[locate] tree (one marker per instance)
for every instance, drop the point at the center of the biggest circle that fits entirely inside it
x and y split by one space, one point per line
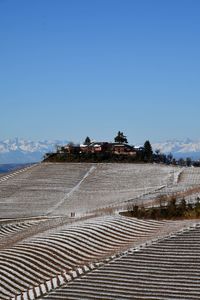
174 161
170 158
87 141
188 161
197 207
171 207
181 162
121 138
134 210
57 148
158 156
182 207
157 151
148 152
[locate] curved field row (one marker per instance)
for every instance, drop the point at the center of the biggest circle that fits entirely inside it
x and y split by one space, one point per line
13 231
6 230
41 258
169 269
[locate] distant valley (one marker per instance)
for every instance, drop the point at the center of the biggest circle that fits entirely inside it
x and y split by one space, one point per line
4 168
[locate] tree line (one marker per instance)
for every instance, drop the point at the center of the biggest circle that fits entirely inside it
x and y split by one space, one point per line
173 208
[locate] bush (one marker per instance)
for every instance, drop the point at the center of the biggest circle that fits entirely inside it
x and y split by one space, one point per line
170 211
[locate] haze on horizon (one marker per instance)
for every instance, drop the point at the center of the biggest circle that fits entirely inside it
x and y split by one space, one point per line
76 68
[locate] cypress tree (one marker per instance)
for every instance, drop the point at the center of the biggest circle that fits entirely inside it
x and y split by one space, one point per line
87 141
148 152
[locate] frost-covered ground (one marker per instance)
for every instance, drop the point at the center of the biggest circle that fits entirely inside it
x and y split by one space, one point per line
45 246
37 265
186 184
70 188
164 270
62 189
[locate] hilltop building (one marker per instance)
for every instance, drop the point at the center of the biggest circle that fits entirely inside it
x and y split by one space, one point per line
100 147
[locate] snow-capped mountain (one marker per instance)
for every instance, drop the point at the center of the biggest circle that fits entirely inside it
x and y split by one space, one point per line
25 151
186 148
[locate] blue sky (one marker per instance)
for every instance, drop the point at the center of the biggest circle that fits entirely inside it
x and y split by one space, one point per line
72 68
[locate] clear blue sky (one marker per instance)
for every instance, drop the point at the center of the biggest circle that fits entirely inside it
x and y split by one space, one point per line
71 68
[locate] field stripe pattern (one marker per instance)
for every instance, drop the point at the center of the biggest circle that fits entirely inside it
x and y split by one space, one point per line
34 261
169 269
60 189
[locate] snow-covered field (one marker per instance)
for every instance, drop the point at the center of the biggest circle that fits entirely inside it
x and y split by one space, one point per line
72 250
55 245
62 189
168 269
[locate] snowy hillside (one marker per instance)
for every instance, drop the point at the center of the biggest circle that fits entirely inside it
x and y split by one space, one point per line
23 151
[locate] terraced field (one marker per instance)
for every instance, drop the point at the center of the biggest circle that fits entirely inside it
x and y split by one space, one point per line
54 243
112 184
186 184
167 269
39 190
7 229
38 260
62 189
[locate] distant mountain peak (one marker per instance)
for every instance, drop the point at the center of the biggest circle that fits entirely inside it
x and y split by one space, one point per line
185 148
19 150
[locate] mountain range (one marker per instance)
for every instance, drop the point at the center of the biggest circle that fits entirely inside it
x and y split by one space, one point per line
185 148
25 151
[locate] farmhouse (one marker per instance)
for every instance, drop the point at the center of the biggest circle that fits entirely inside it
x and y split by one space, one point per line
102 147
103 150
69 149
124 149
95 147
